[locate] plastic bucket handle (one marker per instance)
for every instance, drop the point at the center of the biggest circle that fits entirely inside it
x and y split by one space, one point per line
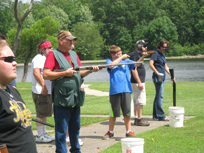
177 118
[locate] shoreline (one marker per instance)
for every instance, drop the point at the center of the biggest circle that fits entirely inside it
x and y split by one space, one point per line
103 61
185 57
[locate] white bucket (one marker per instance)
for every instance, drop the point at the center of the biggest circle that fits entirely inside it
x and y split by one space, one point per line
132 145
176 116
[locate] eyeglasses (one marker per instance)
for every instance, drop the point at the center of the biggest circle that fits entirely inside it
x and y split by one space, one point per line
8 59
116 54
48 47
164 47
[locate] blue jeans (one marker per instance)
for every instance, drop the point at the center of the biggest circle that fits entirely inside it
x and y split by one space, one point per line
158 112
64 117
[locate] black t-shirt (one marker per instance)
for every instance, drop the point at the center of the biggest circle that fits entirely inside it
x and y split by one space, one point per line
141 69
15 123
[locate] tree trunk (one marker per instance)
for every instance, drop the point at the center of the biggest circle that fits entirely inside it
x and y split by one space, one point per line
20 22
25 73
16 42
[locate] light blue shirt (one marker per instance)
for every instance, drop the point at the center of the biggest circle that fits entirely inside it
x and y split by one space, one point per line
120 77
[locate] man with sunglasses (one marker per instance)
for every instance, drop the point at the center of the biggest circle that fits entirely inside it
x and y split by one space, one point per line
138 84
41 91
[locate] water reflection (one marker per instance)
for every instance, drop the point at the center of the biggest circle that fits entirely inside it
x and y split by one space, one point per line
184 70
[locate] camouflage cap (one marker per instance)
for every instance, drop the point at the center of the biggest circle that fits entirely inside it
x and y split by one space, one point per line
67 35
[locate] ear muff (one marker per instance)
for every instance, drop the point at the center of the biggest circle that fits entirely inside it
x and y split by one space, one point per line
139 47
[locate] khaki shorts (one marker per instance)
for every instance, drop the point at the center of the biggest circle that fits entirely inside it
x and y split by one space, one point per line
43 105
139 95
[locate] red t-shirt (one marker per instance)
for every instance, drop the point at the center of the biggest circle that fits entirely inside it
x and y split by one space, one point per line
52 64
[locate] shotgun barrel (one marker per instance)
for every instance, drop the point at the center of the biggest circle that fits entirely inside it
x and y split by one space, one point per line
43 122
100 66
148 51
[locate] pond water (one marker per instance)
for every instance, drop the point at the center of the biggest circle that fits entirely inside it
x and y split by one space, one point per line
185 70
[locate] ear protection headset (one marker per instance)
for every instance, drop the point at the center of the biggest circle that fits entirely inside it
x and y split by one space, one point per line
139 45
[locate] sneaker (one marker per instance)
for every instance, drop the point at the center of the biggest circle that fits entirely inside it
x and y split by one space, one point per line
68 141
135 122
142 122
42 138
107 136
80 142
49 136
131 134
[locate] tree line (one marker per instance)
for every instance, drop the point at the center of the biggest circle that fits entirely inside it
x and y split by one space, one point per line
102 23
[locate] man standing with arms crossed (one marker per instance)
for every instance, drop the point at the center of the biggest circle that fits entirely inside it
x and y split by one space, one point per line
41 91
66 93
138 84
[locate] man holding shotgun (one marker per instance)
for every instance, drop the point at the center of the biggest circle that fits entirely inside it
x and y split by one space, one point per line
66 93
138 84
120 90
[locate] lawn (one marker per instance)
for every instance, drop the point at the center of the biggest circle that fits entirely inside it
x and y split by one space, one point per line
188 139
25 90
189 95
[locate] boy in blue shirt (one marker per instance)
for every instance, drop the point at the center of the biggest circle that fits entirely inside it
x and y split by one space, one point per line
120 89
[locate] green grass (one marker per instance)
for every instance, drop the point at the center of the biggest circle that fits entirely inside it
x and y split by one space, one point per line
25 90
167 139
188 139
189 95
96 105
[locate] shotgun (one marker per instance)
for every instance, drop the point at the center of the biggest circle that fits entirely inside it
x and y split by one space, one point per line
100 66
43 122
149 51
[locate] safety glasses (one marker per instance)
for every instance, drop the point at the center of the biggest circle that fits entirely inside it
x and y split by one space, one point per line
8 59
48 48
115 53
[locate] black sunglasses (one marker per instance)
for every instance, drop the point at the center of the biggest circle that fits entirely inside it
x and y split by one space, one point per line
8 59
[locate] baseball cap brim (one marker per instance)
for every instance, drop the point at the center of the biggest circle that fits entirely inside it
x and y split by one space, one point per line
145 43
72 38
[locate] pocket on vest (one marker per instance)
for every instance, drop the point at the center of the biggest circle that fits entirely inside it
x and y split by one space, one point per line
67 98
81 98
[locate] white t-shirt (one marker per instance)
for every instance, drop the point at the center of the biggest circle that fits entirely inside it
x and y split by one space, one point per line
38 62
